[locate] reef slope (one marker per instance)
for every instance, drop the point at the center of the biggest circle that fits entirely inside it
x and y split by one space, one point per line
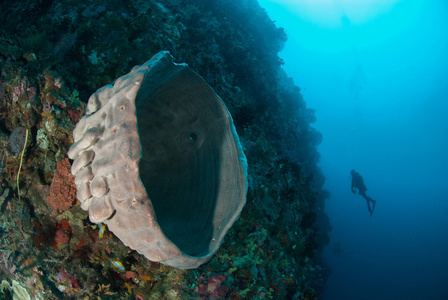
54 55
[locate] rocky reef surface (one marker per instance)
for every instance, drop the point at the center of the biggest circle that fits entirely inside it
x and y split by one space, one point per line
54 54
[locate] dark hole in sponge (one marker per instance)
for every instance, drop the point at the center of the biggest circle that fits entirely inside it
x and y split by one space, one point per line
193 137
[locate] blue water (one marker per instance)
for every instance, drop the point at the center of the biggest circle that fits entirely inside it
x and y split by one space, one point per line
378 81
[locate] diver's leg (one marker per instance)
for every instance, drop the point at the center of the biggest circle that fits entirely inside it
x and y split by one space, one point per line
368 199
363 194
374 203
368 207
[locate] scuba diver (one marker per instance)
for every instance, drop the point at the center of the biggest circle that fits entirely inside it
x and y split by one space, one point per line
358 183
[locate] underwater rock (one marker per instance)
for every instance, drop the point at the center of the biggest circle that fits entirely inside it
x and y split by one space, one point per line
158 159
17 140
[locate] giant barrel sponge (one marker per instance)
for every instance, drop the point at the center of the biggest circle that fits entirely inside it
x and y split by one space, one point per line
157 158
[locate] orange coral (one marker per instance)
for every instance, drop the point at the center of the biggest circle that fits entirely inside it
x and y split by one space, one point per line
62 234
63 189
61 238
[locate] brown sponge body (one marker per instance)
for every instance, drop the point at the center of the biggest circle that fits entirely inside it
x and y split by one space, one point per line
157 158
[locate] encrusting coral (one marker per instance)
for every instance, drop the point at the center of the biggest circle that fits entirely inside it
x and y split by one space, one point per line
63 190
163 126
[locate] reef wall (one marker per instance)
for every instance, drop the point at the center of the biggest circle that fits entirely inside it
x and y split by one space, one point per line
55 54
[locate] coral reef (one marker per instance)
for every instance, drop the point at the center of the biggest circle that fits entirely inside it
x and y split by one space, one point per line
53 55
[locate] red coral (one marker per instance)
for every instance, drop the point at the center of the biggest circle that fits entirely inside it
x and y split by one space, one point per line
62 234
63 189
65 224
131 276
74 115
214 288
72 278
61 238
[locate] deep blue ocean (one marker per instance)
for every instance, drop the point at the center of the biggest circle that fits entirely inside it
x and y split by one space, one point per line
376 74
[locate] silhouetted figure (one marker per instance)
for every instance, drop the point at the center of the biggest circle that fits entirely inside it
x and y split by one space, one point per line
358 183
